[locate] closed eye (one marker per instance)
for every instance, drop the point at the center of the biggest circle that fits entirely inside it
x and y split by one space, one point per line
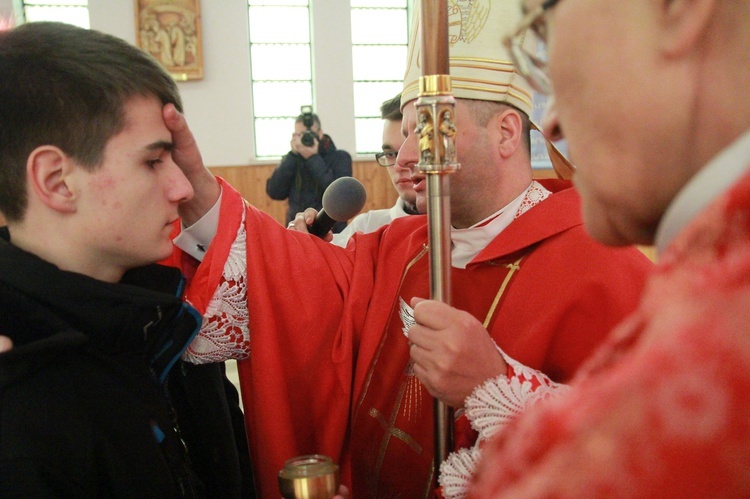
161 148
153 163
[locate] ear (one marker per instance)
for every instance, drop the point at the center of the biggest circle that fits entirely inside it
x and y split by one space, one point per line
683 24
509 126
48 170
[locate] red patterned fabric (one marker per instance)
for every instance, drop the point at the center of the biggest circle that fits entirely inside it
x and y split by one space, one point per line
663 409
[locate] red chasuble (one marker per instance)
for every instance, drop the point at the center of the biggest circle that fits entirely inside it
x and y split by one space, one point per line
329 370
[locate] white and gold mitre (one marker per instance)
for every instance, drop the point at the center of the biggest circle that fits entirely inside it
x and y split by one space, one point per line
480 65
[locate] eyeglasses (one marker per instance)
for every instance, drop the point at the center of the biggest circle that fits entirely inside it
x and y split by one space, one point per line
386 158
533 67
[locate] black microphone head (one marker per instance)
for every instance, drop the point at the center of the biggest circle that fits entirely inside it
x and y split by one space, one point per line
344 198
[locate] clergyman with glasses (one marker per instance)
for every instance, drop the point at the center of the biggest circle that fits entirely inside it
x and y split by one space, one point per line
651 98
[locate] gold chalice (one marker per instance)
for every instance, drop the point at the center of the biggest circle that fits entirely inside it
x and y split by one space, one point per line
309 477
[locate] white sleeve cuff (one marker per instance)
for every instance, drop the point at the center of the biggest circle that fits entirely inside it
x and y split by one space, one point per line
196 239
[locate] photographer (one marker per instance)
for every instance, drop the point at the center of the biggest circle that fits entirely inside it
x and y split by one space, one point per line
309 168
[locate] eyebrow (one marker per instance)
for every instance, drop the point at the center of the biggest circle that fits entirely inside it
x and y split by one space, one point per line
160 145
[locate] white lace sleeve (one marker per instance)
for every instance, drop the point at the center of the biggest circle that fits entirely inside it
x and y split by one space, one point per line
489 408
225 333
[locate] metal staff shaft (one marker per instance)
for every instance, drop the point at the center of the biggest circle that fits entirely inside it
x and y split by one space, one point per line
436 128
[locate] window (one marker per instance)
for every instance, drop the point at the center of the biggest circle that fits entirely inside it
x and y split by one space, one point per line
280 68
282 52
74 12
380 35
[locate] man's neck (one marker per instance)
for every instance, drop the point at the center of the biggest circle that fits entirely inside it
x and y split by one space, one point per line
65 256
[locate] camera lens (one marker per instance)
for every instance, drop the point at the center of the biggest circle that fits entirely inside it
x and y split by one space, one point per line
308 138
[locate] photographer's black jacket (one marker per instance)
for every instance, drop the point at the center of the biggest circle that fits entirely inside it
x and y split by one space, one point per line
303 181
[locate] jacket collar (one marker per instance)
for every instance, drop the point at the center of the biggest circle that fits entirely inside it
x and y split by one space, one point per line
141 315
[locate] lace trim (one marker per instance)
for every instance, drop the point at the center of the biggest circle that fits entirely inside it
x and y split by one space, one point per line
456 472
491 406
535 195
225 333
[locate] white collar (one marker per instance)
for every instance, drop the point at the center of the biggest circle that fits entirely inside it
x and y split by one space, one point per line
716 177
467 243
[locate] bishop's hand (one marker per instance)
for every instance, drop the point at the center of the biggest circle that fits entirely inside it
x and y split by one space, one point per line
452 352
187 156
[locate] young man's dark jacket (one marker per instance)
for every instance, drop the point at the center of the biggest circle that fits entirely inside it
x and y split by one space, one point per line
303 181
85 407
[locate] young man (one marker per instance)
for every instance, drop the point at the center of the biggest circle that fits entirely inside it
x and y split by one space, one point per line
659 126
89 403
390 112
331 370
308 169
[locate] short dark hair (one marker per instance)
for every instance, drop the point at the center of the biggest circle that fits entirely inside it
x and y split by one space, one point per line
390 110
482 111
66 86
316 120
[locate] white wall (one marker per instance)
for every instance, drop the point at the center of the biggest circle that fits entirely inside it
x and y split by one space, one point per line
219 107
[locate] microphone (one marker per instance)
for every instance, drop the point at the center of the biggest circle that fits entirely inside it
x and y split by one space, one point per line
342 200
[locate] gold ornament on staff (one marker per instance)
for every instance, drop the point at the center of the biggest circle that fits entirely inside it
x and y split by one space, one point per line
436 127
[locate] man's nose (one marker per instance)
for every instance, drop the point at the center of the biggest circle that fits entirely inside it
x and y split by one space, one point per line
550 123
407 153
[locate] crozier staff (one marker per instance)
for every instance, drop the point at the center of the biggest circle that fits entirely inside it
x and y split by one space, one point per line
434 105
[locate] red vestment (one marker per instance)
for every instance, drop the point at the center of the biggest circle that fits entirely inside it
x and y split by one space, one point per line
662 410
324 326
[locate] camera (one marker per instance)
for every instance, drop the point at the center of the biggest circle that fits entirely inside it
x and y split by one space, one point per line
308 136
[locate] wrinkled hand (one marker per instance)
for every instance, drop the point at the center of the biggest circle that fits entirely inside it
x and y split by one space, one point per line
452 352
303 220
187 156
5 344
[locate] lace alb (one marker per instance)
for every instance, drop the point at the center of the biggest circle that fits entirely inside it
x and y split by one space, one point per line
490 407
225 333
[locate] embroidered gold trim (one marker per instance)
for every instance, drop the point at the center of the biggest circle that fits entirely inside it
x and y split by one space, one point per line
396 432
512 267
382 340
